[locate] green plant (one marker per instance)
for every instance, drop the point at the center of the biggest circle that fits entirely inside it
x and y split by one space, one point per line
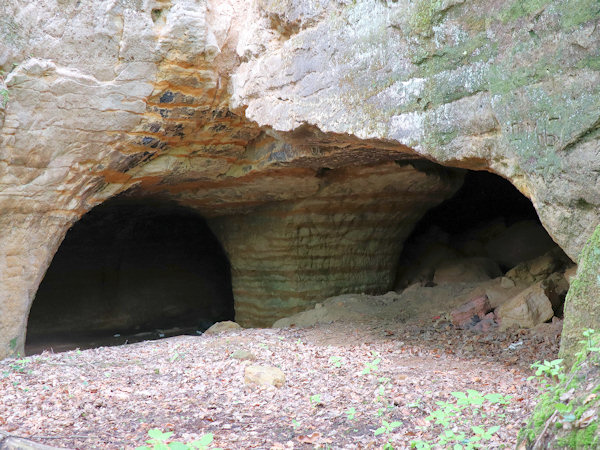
470 398
387 428
416 404
548 373
454 419
176 355
459 440
561 402
336 361
315 400
589 336
160 441
481 434
372 366
350 413
17 366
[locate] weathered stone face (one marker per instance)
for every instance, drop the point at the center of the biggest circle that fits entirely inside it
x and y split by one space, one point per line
345 237
279 122
581 309
506 86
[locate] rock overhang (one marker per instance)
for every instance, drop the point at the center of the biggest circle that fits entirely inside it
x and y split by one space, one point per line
236 111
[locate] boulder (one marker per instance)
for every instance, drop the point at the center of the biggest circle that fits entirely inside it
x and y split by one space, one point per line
501 291
540 267
471 312
556 287
264 376
422 261
581 306
466 270
520 242
527 309
473 242
220 327
319 314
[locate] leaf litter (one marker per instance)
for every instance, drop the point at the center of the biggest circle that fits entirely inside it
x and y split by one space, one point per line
344 382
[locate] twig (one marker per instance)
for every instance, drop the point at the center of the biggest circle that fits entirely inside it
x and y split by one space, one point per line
549 421
73 436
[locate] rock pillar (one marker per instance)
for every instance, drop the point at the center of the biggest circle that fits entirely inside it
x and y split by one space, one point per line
27 243
288 255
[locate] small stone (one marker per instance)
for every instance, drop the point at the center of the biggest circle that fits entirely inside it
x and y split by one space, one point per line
264 375
507 283
491 315
543 265
484 325
243 355
220 327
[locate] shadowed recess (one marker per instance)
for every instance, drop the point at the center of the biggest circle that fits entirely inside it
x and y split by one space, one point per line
131 270
487 223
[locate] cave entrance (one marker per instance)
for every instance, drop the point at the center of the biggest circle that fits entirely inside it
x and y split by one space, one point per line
131 270
485 240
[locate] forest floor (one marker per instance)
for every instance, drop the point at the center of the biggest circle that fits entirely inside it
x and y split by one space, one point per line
357 384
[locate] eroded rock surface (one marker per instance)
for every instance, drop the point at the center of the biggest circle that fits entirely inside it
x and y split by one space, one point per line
581 311
292 127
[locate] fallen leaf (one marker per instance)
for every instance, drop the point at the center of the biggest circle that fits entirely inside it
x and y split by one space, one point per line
420 421
586 418
309 439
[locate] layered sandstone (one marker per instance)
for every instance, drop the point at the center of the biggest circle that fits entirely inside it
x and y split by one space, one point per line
290 127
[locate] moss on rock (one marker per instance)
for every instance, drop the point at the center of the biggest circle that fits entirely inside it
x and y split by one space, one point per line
582 306
566 415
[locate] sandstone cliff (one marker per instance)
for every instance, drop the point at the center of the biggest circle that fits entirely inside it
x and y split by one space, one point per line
292 126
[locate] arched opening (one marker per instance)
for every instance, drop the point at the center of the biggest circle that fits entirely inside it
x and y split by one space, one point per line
489 235
131 270
487 219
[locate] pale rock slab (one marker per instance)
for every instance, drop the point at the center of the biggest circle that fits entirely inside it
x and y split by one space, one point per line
243 355
264 376
8 442
526 310
466 270
222 327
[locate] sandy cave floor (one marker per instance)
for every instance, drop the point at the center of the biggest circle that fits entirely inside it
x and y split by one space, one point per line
110 397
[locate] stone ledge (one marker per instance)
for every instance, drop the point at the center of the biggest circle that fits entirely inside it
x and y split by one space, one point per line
8 442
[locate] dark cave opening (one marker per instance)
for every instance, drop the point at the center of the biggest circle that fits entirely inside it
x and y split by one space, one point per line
486 229
131 270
